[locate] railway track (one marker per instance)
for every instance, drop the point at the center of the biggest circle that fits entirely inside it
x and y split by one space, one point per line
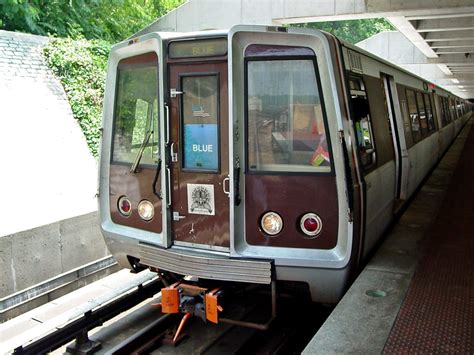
297 322
127 322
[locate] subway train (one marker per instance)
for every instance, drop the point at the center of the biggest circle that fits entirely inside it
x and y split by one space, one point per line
262 155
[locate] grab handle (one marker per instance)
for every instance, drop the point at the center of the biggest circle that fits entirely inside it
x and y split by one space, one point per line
167 111
174 155
226 180
168 193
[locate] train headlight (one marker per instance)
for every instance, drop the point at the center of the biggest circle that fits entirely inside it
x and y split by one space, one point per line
124 206
271 223
146 211
311 224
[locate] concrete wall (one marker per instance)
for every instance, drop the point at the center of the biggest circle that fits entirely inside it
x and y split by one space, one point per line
47 173
32 256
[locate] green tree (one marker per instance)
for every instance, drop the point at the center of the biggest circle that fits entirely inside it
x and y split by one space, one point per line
352 31
111 20
81 64
81 67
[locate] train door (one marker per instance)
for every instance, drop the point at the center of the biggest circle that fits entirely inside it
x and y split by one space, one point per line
198 166
402 163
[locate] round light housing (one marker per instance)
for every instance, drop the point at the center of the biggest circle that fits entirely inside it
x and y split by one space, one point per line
146 211
311 224
124 206
271 223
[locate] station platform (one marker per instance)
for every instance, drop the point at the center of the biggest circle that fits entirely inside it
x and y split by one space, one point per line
416 295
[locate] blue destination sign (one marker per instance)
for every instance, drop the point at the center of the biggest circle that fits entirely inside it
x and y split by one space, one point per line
200 146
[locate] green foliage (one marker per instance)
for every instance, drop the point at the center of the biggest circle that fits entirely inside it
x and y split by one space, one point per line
81 67
111 20
352 31
80 64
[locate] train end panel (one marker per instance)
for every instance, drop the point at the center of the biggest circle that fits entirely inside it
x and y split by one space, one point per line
223 157
280 160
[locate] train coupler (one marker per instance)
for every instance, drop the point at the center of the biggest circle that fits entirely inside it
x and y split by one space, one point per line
193 300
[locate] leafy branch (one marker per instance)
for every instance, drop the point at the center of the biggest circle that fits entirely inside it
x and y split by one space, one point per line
81 67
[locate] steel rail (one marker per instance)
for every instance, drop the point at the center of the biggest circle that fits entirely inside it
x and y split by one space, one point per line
91 320
145 336
10 303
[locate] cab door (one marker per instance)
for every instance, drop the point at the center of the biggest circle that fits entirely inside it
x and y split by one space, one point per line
198 148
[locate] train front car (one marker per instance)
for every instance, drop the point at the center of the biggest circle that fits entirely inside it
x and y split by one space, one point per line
226 157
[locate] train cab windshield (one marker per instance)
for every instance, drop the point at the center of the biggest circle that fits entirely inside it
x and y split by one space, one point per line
286 131
135 137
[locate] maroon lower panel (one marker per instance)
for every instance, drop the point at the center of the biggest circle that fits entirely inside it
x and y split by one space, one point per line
136 187
291 197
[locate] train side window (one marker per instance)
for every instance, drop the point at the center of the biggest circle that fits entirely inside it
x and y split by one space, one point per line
136 112
459 108
362 121
446 110
285 121
414 116
452 109
429 112
422 113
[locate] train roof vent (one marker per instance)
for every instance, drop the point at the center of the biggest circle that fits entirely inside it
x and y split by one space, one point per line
355 61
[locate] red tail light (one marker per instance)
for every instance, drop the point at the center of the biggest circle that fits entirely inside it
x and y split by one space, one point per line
311 224
124 206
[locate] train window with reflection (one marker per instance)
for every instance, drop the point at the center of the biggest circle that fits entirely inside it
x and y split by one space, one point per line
429 112
446 109
422 113
285 123
452 109
136 111
414 116
200 117
459 108
444 113
362 121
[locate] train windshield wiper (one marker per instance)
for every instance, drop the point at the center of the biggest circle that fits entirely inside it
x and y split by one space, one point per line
133 168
